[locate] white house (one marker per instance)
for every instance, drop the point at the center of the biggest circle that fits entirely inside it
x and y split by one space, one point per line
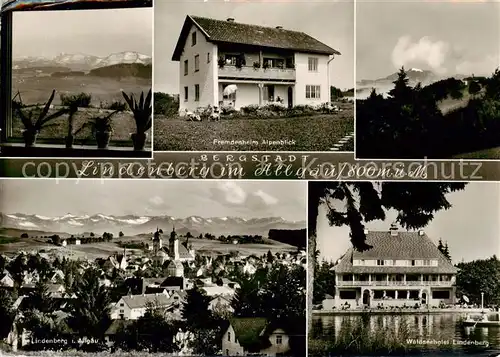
132 307
253 336
401 269
6 280
266 64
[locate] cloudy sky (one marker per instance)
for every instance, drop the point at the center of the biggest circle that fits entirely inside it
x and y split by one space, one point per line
246 199
446 37
328 21
92 32
471 226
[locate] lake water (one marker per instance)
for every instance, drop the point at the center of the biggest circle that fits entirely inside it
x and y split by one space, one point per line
429 332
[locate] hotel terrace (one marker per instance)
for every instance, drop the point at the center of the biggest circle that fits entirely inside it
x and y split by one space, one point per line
401 269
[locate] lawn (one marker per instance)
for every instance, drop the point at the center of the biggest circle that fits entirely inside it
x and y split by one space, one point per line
309 133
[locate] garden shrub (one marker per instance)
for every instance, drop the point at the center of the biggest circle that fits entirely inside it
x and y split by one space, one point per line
81 100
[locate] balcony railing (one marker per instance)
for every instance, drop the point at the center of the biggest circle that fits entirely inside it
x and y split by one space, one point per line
249 72
394 283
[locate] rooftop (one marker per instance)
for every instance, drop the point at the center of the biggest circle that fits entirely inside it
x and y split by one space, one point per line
401 246
231 32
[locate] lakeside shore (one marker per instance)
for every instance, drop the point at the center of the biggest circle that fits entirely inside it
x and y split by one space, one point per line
405 311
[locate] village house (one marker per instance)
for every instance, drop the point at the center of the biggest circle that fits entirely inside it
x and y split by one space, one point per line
220 303
261 65
6 280
401 269
132 307
254 336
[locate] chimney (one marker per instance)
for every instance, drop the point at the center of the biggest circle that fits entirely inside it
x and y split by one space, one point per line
394 230
279 27
230 19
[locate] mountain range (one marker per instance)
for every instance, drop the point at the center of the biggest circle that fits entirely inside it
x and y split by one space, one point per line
82 62
133 225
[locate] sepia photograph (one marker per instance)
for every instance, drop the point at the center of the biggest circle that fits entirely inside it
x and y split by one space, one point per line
142 268
403 268
80 85
254 76
427 80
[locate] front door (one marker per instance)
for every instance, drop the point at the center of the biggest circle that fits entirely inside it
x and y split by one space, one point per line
290 97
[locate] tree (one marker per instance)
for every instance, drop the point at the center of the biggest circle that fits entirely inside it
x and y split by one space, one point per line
121 234
92 234
24 235
269 257
56 239
189 235
401 91
446 251
40 298
474 87
195 310
90 308
479 276
7 313
415 202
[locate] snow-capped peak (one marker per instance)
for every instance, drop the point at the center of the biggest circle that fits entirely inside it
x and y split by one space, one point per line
415 70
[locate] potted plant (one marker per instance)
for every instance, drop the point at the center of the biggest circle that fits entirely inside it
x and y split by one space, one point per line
221 62
142 111
71 134
256 65
33 127
265 65
102 128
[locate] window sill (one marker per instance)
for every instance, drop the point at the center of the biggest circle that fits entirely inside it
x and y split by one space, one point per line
78 151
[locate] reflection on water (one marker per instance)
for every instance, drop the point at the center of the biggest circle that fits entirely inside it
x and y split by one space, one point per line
429 332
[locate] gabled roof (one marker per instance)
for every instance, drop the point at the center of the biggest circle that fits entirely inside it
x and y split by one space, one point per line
249 332
140 301
221 31
404 246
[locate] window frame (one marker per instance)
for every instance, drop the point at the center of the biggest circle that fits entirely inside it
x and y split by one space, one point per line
193 38
53 147
196 92
312 64
197 63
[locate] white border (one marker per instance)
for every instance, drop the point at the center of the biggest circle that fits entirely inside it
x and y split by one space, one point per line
395 159
115 158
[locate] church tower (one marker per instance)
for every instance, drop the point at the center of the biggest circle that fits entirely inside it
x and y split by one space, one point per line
174 245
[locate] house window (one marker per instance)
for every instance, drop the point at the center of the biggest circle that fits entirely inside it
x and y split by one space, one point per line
196 92
185 94
122 304
274 62
196 63
208 57
227 352
279 339
413 263
122 311
313 92
229 336
186 67
193 39
312 64
380 262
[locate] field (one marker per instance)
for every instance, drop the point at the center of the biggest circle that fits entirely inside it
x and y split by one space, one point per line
105 249
487 154
104 91
310 133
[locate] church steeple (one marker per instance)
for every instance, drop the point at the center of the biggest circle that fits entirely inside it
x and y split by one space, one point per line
173 234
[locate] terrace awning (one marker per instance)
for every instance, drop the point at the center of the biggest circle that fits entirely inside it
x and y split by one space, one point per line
40 5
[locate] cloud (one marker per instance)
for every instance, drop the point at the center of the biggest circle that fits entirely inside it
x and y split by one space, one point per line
266 198
229 193
156 201
425 51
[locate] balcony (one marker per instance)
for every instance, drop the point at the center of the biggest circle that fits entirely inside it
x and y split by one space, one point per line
358 283
257 74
